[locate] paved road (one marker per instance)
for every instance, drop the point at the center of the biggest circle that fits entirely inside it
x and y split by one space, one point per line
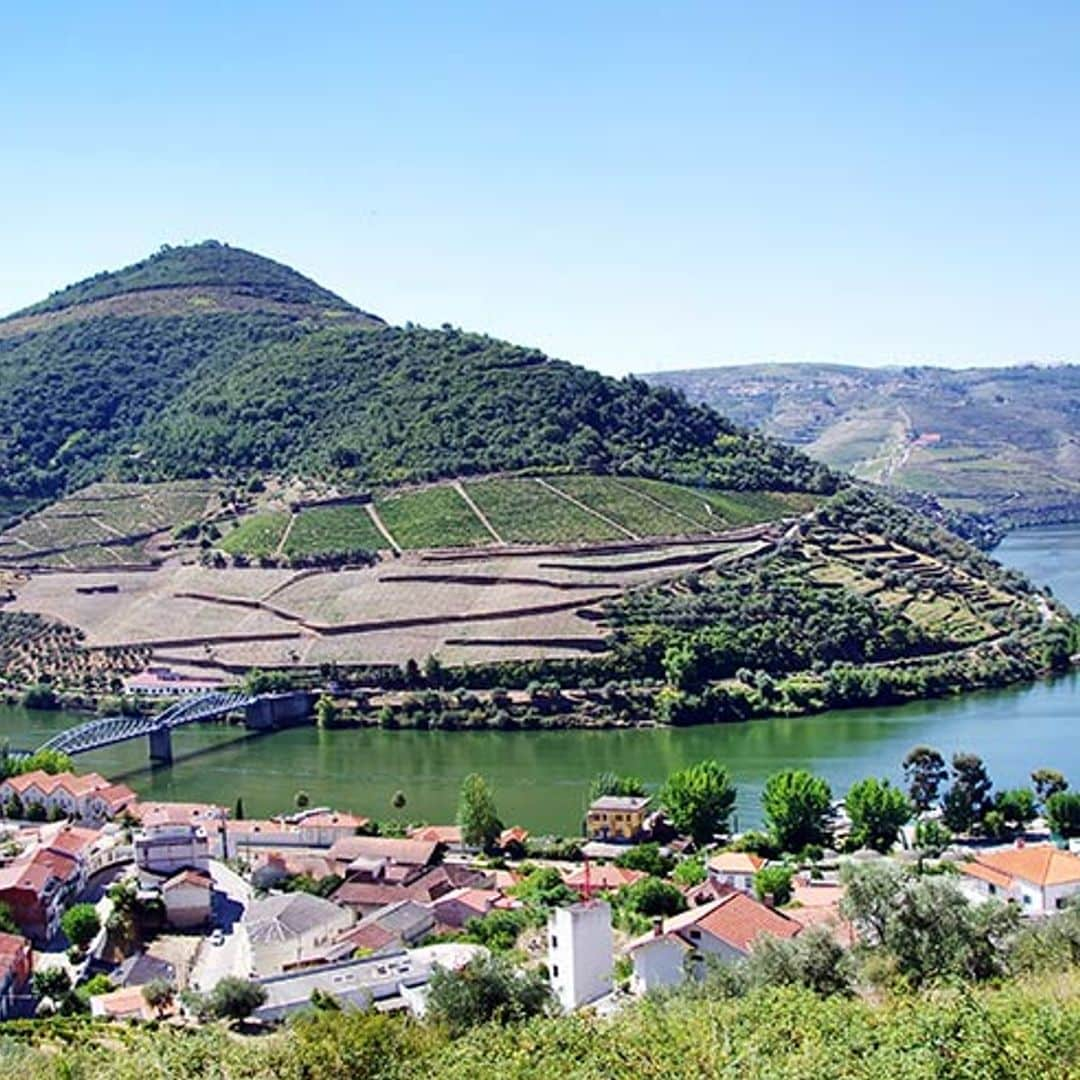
214 962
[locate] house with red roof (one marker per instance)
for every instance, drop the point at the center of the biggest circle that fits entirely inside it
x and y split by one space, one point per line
188 897
454 909
602 877
89 797
726 929
1040 878
16 967
37 887
736 869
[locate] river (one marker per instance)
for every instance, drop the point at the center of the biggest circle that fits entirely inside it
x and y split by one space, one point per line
540 777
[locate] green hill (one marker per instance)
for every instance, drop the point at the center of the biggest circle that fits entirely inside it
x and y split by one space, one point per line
1000 441
208 359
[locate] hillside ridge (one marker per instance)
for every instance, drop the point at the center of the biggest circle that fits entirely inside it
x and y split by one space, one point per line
998 441
209 264
211 360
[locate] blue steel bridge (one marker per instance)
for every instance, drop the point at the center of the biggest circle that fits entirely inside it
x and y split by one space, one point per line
261 712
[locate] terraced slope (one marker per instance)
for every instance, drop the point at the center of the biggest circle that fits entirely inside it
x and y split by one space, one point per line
1003 441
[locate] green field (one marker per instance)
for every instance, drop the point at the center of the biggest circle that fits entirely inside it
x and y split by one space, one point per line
523 511
330 529
435 517
258 535
631 508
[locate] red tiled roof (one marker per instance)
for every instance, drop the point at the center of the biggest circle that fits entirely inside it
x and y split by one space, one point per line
368 894
73 840
987 874
34 871
411 852
438 834
735 919
604 876
736 862
74 784
190 877
116 796
171 813
1039 864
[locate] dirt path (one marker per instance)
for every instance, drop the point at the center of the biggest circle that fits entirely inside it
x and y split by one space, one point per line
459 487
280 549
378 522
669 509
588 509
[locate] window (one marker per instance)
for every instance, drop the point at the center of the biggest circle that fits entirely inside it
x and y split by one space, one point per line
554 942
554 971
695 935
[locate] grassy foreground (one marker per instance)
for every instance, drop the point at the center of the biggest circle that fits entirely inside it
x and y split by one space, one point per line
1029 1029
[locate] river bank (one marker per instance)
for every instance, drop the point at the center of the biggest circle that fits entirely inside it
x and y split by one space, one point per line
540 777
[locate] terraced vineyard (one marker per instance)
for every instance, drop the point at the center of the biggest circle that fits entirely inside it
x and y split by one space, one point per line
257 536
431 518
557 509
104 524
325 530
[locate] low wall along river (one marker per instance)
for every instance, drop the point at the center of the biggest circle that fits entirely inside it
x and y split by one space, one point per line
540 777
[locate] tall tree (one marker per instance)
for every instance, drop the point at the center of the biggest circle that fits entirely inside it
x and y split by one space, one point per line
968 798
80 924
699 800
877 811
1063 813
924 773
478 817
1048 782
797 807
610 783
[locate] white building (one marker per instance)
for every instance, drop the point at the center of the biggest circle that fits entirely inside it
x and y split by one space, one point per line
724 929
289 929
1041 878
165 849
736 868
390 980
580 953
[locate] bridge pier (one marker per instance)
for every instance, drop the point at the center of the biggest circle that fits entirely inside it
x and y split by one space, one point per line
161 745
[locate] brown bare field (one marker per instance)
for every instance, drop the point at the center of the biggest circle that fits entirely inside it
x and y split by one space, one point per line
483 606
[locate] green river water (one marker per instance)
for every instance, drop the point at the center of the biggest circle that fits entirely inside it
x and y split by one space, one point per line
540 777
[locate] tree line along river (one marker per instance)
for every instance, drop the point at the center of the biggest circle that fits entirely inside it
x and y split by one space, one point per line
540 777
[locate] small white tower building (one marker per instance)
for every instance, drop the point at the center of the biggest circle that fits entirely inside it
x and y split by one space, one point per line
580 953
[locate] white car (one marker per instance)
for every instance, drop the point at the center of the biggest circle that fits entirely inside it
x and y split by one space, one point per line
217 937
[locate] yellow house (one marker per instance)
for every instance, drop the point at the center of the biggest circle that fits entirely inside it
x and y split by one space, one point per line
617 817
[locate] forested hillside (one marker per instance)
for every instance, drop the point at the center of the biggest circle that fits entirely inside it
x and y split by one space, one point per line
1001 441
211 359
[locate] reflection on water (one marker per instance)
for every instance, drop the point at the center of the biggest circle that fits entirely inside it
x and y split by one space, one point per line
540 777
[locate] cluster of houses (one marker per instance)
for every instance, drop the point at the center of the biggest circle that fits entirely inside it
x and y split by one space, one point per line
320 904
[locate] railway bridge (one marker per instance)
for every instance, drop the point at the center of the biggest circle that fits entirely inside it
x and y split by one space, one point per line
262 712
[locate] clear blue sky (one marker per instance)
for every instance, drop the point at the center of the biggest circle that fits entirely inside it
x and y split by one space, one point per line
627 185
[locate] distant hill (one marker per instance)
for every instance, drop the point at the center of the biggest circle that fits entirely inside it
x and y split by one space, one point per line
210 359
1003 441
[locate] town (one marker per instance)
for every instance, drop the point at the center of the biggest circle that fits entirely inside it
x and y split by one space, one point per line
131 910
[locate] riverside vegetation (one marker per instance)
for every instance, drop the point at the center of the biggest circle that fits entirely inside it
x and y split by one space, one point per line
219 373
934 987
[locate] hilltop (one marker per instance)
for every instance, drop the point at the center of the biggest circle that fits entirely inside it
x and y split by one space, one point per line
208 460
999 441
212 360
